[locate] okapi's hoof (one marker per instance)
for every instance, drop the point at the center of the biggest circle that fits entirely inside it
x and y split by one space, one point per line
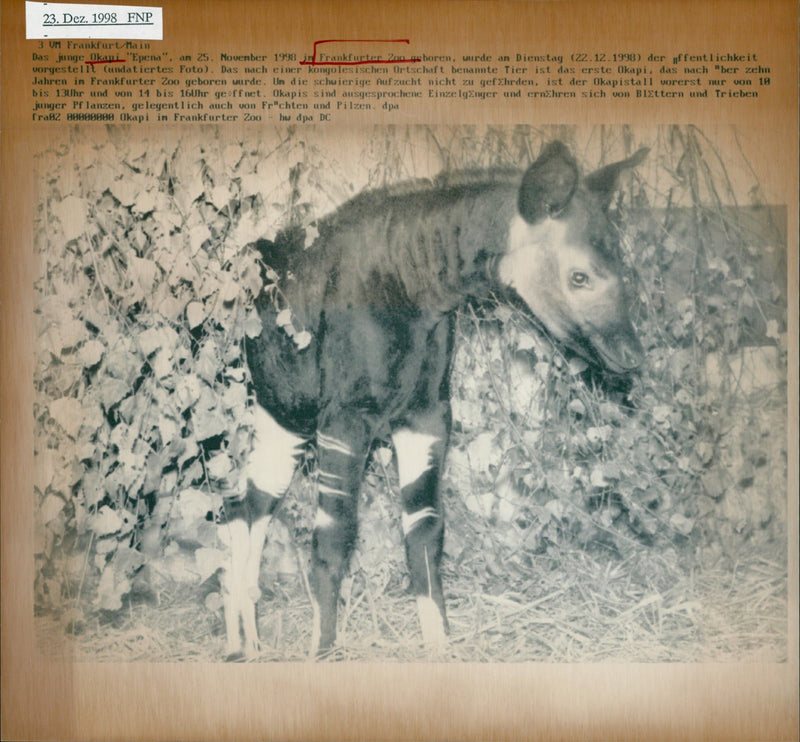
329 653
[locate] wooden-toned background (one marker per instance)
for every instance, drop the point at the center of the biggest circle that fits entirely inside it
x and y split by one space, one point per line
63 700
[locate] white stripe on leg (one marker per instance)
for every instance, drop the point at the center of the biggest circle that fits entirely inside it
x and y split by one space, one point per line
241 591
316 630
333 444
258 534
323 519
235 592
273 459
430 620
413 454
409 520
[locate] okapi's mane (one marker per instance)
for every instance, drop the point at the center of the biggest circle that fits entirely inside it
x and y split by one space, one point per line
477 176
470 178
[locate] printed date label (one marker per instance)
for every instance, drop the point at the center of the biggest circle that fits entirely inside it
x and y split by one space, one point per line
78 21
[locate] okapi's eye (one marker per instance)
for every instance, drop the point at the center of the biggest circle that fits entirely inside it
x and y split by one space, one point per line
579 279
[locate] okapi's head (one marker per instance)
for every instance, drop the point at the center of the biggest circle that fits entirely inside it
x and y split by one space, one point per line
562 258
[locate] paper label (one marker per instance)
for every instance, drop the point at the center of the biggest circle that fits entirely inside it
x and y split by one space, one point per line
83 21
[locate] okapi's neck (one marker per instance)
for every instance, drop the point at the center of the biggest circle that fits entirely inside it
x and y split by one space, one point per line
446 251
486 234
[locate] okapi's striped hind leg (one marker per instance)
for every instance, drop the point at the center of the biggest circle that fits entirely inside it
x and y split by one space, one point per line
342 447
269 473
420 448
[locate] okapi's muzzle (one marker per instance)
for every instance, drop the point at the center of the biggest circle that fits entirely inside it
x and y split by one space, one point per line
618 350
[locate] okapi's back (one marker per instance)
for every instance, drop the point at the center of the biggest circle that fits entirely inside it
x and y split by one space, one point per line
417 244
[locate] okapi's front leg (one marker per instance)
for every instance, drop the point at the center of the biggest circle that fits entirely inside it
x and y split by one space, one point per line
342 446
269 473
420 446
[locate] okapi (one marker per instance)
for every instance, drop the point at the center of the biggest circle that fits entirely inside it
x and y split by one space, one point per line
378 291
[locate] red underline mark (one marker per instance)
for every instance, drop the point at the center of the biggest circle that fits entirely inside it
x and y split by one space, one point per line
93 62
314 63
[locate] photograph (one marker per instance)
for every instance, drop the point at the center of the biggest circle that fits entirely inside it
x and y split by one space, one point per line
453 394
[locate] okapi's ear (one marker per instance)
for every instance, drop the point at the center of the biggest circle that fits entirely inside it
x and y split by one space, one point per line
603 182
548 184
